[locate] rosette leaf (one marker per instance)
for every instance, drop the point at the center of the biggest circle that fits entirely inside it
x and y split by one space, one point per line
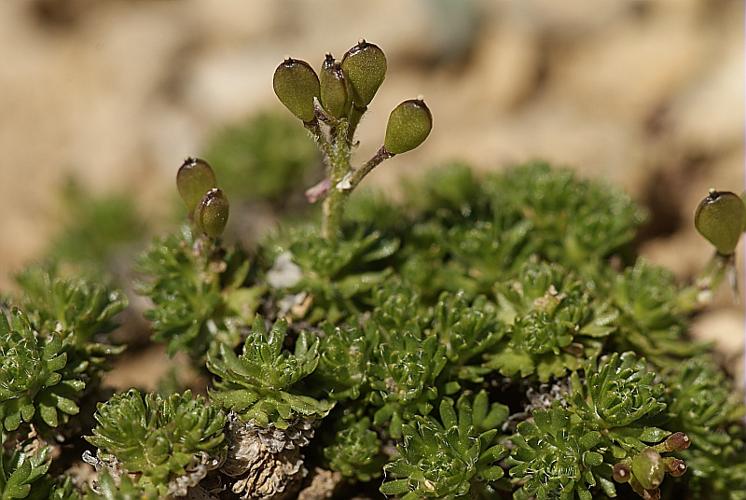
197 293
555 322
23 473
704 404
574 221
78 306
402 378
344 361
336 279
262 383
454 457
621 397
35 386
161 439
555 456
653 315
468 330
80 311
356 450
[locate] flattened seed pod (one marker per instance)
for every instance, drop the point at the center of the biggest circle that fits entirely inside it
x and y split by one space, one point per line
194 178
296 84
334 95
648 468
721 218
364 65
408 126
621 473
211 214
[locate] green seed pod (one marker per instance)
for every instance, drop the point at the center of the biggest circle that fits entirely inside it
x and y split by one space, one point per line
720 218
364 65
334 95
408 127
296 85
211 214
648 468
194 178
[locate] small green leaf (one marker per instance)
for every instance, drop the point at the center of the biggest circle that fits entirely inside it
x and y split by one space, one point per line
296 85
493 473
397 487
592 458
49 415
653 434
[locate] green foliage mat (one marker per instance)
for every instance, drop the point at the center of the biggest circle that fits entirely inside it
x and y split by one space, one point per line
474 340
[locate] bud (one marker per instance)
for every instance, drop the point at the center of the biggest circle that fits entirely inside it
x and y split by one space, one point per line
194 178
721 218
621 473
675 467
211 214
334 95
648 468
677 441
296 85
408 127
364 65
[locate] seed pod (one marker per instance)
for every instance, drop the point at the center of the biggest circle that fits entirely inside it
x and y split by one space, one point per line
621 473
408 127
211 215
675 467
194 178
296 85
677 441
364 65
334 95
721 218
648 468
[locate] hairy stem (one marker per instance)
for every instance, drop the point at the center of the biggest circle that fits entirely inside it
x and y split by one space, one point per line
339 167
356 113
351 181
322 142
701 291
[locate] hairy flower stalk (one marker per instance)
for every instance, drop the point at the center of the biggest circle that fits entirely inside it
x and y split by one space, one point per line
339 99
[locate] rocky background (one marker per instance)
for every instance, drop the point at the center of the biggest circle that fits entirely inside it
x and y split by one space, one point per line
646 94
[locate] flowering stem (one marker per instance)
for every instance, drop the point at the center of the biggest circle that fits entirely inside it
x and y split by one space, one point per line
356 113
701 292
351 181
339 166
319 138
